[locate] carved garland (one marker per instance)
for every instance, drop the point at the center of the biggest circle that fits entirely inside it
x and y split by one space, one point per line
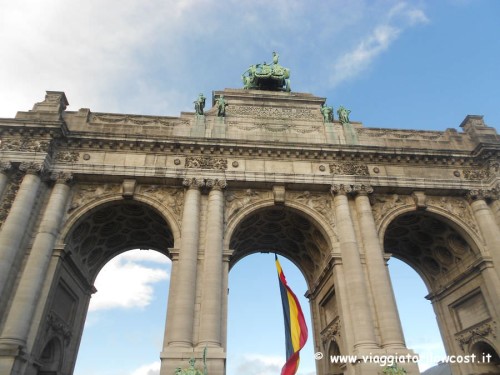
67 156
273 112
135 120
484 330
349 169
59 327
24 144
206 162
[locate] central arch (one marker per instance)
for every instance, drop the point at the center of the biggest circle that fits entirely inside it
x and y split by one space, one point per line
294 231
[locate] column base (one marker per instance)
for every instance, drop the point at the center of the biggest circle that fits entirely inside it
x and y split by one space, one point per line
12 358
174 357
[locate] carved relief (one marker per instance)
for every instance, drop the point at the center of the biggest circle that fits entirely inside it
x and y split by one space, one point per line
457 207
67 156
31 167
24 144
236 200
322 203
275 128
86 193
332 332
476 174
99 118
483 331
206 162
349 169
390 133
56 325
171 197
272 112
384 204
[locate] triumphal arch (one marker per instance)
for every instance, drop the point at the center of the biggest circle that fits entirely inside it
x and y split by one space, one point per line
262 169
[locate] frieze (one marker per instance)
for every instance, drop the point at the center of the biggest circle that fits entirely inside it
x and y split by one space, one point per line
62 177
389 133
275 128
272 112
98 119
67 156
87 193
24 144
484 330
206 162
351 169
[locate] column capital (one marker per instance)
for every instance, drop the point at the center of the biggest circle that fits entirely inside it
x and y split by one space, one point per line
61 177
362 189
5 166
341 189
215 183
193 183
31 167
479 194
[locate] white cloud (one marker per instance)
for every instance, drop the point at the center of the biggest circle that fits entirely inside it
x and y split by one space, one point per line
354 62
124 283
149 369
145 255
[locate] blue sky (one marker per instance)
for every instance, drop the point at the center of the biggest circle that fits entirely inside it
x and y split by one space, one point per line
396 64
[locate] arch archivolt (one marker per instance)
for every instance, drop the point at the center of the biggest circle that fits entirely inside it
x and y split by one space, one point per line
88 198
293 229
453 210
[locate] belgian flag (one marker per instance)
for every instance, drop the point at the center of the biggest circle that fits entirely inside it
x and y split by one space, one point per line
295 325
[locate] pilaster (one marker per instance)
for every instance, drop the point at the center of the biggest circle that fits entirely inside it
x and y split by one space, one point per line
5 167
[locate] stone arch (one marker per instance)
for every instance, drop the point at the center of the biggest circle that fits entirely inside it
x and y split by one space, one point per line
92 236
488 358
286 213
450 241
78 214
450 258
51 357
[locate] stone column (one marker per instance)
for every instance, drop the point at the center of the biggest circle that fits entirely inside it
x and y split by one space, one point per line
487 224
211 302
4 168
183 300
390 328
364 333
174 255
14 227
495 205
225 291
25 300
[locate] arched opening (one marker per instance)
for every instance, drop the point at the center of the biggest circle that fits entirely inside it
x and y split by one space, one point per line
94 240
125 315
488 359
421 330
436 249
256 338
254 307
